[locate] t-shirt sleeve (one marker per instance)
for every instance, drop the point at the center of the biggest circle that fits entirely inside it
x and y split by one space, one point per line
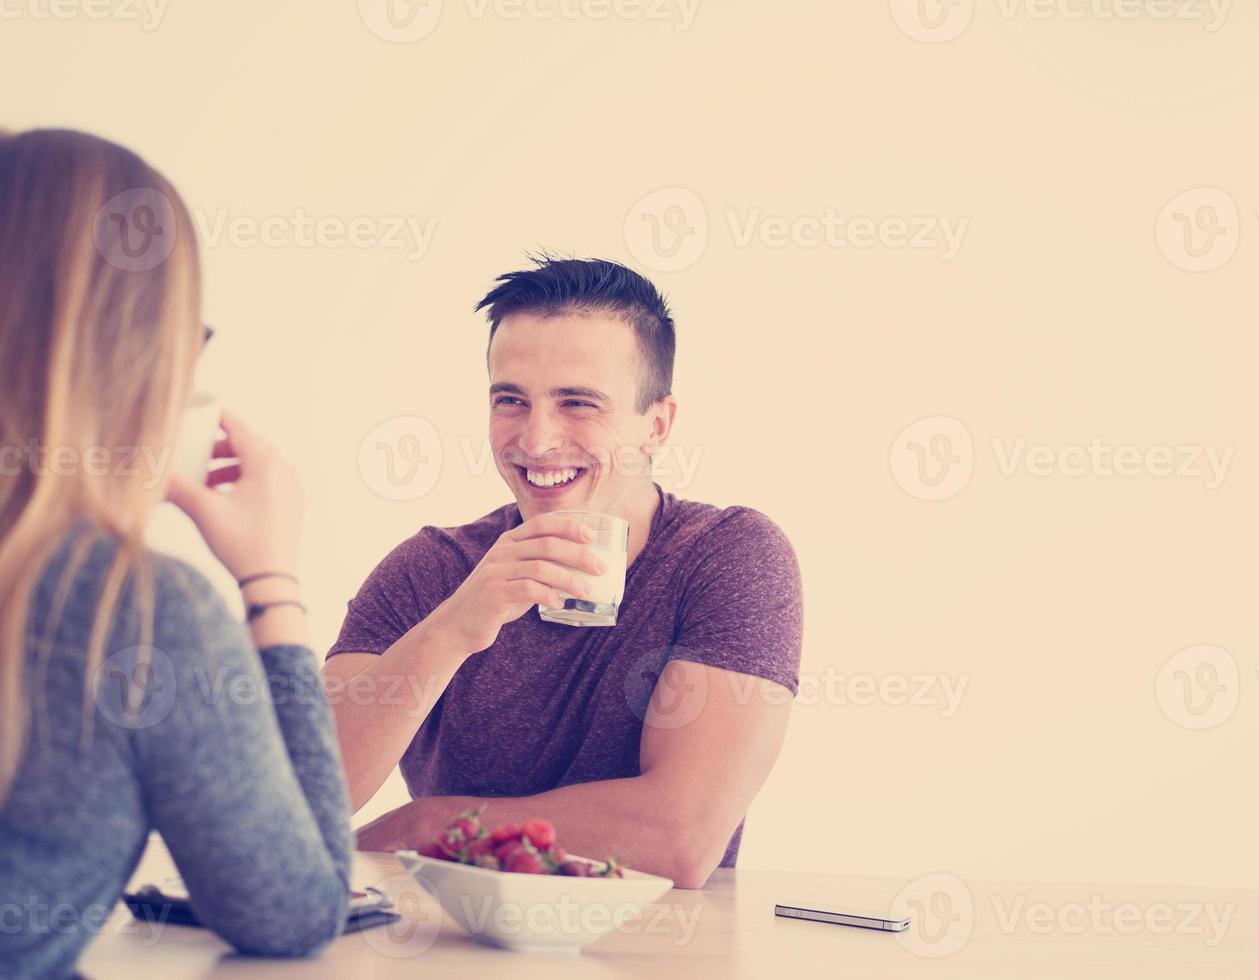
741 605
408 584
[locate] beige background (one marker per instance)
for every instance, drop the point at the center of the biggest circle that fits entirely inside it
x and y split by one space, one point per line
1069 312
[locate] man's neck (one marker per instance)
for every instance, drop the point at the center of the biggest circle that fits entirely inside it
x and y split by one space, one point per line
640 512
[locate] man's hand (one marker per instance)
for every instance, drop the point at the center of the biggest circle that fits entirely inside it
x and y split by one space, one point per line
397 830
529 564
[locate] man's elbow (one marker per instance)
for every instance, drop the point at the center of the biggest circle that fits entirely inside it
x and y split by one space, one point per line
692 875
695 858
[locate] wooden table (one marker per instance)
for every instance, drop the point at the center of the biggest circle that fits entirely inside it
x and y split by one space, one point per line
971 929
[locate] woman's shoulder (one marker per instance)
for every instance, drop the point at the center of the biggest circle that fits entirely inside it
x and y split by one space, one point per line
90 564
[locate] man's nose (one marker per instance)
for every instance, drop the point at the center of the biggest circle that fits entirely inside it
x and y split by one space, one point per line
540 436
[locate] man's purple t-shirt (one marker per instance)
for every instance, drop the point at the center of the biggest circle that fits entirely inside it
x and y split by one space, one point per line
548 705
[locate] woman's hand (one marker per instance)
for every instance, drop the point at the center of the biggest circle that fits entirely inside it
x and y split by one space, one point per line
255 525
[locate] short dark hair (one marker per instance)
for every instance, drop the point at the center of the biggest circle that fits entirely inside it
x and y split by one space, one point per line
557 286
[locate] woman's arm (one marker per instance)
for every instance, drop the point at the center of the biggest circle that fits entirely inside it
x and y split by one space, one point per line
243 780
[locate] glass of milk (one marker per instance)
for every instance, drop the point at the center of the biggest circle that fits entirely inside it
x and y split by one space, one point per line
611 544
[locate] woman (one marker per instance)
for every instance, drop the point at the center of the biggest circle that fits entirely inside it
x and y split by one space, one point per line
130 698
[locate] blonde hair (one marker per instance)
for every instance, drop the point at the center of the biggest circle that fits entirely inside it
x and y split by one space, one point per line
97 344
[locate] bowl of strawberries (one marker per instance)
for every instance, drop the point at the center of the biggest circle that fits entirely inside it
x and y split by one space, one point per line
515 887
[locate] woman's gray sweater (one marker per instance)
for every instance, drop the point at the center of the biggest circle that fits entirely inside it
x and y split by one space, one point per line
227 752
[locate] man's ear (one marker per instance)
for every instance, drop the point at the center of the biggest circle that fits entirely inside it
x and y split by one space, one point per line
662 414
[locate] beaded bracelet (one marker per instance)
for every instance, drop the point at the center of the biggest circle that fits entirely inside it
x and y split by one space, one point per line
259 608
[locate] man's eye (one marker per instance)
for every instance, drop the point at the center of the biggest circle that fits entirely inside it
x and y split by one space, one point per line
579 404
506 400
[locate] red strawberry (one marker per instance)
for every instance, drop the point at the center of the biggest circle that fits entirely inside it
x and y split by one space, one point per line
506 832
433 850
524 862
541 833
478 848
558 854
575 869
451 842
505 851
467 828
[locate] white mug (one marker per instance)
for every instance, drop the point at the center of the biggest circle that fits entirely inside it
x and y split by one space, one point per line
194 443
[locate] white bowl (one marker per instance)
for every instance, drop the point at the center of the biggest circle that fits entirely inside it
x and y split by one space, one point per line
537 913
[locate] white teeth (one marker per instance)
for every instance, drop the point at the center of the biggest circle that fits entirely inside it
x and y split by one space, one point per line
550 479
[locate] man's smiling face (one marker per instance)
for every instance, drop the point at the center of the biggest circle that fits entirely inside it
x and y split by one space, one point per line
564 424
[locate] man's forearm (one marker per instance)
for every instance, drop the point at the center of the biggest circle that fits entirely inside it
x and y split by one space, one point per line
635 819
378 710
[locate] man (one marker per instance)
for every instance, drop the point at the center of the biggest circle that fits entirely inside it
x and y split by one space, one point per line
646 740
